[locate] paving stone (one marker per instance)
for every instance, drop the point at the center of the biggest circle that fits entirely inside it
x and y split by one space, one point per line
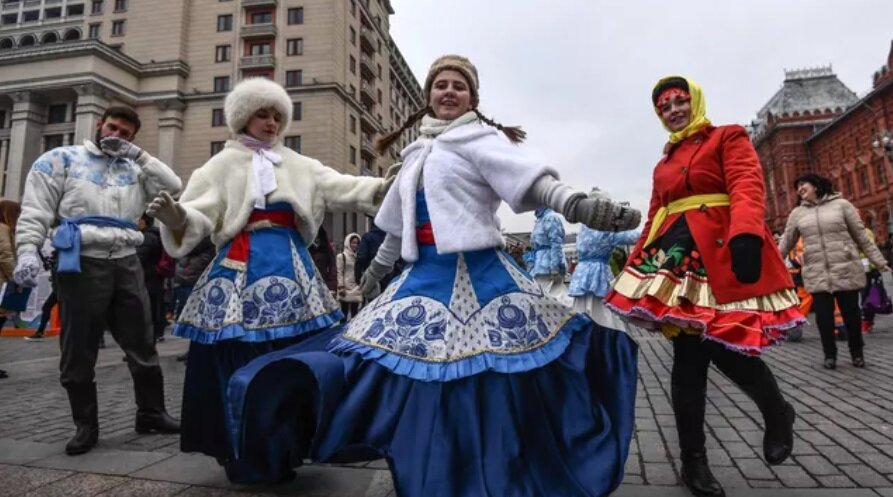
16 480
144 488
78 485
754 469
817 465
24 451
864 476
836 481
659 474
794 476
105 461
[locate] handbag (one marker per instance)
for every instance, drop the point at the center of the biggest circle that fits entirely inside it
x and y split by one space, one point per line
15 298
877 299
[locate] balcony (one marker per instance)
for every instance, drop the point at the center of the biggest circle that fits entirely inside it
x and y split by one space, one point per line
259 3
257 62
367 67
368 41
366 147
367 93
258 30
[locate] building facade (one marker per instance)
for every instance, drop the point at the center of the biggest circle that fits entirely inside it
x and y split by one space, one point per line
63 62
816 124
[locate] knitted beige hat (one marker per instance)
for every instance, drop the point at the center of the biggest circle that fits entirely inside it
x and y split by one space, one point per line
456 63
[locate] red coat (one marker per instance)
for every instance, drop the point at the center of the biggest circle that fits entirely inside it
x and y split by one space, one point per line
719 160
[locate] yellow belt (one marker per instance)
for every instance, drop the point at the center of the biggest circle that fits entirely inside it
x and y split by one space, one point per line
682 205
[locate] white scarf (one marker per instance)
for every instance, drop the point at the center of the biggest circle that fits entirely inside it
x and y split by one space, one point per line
262 161
432 127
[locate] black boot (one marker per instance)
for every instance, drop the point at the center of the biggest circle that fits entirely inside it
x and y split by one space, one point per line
755 378
697 477
151 414
84 412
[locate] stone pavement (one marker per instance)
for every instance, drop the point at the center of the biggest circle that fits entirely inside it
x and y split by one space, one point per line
843 448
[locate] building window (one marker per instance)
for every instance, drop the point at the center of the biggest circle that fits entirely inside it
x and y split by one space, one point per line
352 64
217 117
353 36
265 17
216 147
96 7
2 119
863 181
880 171
295 46
118 27
353 124
93 32
353 8
261 48
379 71
294 143
76 10
221 84
52 141
223 53
296 15
225 22
296 111
57 113
8 19
353 155
32 15
120 5
379 95
294 78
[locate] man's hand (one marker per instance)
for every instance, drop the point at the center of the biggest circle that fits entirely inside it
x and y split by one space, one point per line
118 147
27 269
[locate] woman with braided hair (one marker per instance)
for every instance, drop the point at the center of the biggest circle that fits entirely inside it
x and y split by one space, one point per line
707 273
463 374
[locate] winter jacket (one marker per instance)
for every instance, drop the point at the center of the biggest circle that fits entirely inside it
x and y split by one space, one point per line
547 244
348 287
191 266
220 196
469 171
719 160
367 249
149 253
78 180
832 235
7 254
593 275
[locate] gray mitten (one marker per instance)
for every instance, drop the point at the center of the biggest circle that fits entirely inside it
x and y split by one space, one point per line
369 283
601 214
118 147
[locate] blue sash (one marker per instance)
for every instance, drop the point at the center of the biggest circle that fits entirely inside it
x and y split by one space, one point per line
67 238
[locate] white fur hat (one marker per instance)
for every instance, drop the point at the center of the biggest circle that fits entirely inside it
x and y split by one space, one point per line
252 95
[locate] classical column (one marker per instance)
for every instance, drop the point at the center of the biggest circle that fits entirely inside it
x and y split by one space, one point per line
170 131
25 140
92 102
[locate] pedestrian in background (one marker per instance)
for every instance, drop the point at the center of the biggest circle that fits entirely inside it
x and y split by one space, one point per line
9 216
549 262
833 235
150 253
323 255
349 293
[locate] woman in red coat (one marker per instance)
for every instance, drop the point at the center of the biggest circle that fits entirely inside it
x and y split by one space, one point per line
707 273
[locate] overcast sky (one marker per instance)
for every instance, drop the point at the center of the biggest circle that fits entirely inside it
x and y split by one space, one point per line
577 74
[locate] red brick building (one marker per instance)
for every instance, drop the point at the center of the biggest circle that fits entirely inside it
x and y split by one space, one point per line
844 138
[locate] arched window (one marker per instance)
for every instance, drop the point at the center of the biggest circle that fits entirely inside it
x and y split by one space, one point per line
49 37
72 34
6 43
27 41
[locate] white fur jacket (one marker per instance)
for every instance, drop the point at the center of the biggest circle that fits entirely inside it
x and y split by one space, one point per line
469 170
220 196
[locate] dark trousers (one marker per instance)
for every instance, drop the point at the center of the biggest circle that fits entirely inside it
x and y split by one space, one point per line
691 361
46 312
350 309
848 302
108 292
156 310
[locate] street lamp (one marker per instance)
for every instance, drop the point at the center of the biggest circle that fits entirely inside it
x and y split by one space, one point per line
883 143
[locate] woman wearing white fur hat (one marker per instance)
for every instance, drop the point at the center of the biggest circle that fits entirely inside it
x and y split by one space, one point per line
463 374
261 203
592 276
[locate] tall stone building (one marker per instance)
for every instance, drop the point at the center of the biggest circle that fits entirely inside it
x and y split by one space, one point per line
63 62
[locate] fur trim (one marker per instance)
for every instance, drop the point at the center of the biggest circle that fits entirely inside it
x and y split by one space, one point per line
456 63
251 95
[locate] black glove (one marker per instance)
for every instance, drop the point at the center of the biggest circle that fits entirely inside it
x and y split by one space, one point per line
747 257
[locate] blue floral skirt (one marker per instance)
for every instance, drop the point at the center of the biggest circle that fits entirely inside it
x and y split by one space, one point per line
463 375
234 316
